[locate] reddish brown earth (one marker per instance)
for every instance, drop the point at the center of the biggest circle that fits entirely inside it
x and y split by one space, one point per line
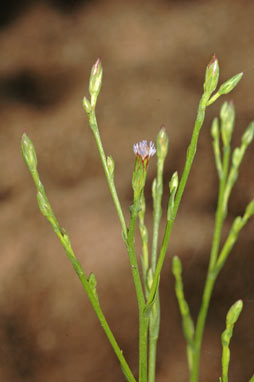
154 56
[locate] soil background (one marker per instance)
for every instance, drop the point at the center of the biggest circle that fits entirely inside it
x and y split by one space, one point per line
154 55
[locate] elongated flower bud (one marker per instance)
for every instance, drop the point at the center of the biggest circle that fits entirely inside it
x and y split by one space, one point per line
230 84
211 76
173 184
227 115
111 165
215 130
162 143
249 209
234 312
87 105
95 81
44 205
248 135
28 152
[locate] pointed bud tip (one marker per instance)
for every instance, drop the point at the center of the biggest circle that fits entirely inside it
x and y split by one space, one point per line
96 65
213 61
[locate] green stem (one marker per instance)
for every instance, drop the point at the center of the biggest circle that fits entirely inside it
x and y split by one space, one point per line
157 211
154 318
65 241
94 127
143 319
211 278
154 327
187 322
96 306
144 238
188 163
129 240
212 273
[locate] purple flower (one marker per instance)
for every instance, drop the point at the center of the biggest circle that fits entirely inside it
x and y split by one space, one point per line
144 151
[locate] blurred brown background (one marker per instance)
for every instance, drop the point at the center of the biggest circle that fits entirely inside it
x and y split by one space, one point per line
154 55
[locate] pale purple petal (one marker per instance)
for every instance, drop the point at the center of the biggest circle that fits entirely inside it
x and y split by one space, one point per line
144 150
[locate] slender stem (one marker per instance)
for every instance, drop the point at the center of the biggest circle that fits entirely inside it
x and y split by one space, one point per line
157 211
188 163
129 240
154 327
154 318
96 306
94 127
143 319
211 278
144 238
220 215
212 273
187 322
92 295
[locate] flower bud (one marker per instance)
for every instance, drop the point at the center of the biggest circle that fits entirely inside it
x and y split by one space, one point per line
176 266
227 115
234 312
237 225
111 165
95 81
92 280
154 188
150 278
211 76
237 157
173 184
248 135
250 209
215 130
43 204
87 105
162 143
28 152
93 283
230 84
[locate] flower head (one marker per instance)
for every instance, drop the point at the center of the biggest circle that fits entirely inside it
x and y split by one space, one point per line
144 151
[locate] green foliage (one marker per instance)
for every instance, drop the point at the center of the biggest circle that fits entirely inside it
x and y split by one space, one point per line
146 281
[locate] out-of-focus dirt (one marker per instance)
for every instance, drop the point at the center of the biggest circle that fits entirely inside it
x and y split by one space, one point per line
154 56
